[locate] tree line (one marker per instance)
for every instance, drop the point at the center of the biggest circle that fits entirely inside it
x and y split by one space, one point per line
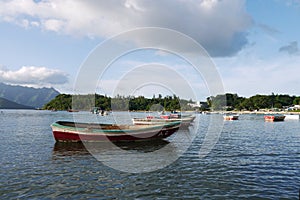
122 103
226 101
230 101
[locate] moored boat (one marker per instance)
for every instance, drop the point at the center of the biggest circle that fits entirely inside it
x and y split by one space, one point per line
72 110
274 118
231 117
66 131
150 120
292 117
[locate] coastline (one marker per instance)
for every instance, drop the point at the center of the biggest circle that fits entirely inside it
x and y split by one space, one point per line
254 112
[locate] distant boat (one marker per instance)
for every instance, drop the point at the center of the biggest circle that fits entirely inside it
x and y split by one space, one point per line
175 114
95 110
231 117
66 131
293 117
71 110
99 111
151 120
104 113
274 118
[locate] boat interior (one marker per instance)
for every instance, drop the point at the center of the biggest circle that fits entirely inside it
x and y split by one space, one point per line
101 126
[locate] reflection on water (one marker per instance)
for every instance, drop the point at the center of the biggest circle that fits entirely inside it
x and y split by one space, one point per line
69 148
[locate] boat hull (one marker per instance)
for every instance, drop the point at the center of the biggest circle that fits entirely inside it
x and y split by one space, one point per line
231 117
271 118
84 134
291 117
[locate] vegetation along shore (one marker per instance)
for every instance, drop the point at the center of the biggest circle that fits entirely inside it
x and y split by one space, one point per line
257 104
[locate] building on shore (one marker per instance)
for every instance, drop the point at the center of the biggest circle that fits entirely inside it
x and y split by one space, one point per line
292 108
199 104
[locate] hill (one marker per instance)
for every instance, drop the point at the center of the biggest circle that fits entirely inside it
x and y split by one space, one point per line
32 97
6 104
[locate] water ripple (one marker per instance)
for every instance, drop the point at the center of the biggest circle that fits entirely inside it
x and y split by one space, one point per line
252 160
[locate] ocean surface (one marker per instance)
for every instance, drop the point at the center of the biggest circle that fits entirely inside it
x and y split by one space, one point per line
250 159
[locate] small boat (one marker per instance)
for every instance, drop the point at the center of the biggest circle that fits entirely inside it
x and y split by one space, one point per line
66 131
274 118
231 117
99 111
95 110
291 117
151 120
71 110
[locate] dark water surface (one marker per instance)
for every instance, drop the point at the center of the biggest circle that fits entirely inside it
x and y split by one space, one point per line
252 159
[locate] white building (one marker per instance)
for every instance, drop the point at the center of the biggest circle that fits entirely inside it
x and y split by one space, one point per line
295 107
198 104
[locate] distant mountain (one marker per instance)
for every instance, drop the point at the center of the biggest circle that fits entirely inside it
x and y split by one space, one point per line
33 97
6 104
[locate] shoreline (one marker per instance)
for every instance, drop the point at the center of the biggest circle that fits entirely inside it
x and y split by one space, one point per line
254 112
189 111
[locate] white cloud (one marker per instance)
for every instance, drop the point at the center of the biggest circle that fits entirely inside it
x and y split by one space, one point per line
33 76
220 26
149 79
252 76
53 25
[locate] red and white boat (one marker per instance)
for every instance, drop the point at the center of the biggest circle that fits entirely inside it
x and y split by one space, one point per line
66 131
231 117
274 118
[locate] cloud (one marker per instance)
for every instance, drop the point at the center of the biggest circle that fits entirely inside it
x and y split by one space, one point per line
220 26
33 76
149 79
291 48
262 76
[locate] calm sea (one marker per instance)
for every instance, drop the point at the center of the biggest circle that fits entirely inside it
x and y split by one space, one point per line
252 159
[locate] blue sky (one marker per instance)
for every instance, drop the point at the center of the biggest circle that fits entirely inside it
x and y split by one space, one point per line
253 44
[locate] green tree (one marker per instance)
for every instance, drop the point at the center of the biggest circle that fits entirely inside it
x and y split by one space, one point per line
296 101
261 101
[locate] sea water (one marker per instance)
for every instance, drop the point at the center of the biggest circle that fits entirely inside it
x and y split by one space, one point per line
251 159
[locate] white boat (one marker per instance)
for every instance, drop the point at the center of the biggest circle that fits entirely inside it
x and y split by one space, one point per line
292 117
150 120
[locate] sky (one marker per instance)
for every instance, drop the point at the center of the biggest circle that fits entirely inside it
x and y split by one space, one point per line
247 47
